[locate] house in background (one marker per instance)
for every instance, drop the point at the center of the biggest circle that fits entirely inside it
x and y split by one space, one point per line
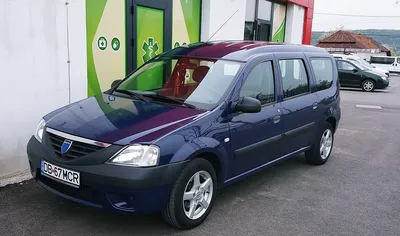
348 42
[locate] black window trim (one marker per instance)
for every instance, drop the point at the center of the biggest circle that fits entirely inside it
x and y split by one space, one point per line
307 74
312 68
274 80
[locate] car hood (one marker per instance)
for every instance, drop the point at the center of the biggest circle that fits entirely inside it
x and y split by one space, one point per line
372 73
118 120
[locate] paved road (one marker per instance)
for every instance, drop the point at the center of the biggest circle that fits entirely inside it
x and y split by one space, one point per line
356 193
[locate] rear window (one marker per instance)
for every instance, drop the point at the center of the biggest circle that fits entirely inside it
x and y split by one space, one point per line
323 70
383 60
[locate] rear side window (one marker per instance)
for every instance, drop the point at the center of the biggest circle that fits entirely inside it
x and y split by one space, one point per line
323 70
398 60
383 60
260 83
294 77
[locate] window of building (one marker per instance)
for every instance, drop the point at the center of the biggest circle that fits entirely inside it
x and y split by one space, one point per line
258 19
344 65
294 77
323 70
260 83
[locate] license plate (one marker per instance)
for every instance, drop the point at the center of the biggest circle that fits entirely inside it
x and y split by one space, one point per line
66 176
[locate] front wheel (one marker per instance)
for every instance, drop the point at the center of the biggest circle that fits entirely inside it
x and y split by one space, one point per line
192 195
322 148
368 85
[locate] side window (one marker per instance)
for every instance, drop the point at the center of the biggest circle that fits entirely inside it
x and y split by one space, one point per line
294 77
383 60
323 70
260 83
344 65
390 60
398 60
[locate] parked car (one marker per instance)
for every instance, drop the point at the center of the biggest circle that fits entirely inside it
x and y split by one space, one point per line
358 59
187 123
391 64
353 74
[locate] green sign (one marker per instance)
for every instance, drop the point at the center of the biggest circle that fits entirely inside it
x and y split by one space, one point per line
150 49
115 44
102 43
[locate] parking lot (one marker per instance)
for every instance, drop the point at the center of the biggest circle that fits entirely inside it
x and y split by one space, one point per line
356 193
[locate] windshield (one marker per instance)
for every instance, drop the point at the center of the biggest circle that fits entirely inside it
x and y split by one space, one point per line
360 65
198 82
365 64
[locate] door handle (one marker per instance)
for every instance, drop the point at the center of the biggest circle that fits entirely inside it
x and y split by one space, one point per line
314 105
277 119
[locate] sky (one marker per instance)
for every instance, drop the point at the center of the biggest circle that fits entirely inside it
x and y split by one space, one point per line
323 22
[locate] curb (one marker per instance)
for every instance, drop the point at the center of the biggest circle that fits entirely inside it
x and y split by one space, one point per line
15 178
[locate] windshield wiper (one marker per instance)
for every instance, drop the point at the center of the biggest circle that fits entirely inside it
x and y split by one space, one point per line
178 101
132 94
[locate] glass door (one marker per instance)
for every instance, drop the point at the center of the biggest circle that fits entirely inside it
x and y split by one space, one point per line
149 30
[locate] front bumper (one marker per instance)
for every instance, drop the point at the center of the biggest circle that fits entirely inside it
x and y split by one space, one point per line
383 84
122 188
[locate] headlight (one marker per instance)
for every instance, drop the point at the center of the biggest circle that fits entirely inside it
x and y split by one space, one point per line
40 130
138 155
384 78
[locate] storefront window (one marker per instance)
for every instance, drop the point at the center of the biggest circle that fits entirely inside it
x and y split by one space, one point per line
258 20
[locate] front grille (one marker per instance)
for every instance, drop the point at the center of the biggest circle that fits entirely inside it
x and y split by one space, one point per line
77 149
83 192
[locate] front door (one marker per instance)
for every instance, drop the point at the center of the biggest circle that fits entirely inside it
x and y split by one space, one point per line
149 29
299 105
255 137
348 74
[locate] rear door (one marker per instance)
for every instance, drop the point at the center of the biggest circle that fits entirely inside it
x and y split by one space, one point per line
256 137
349 74
299 105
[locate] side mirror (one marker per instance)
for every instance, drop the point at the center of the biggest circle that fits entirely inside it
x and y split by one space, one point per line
355 70
115 83
248 105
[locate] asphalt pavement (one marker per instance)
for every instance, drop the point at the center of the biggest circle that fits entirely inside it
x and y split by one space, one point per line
357 192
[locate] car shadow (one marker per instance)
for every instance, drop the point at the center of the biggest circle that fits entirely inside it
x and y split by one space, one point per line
97 221
360 90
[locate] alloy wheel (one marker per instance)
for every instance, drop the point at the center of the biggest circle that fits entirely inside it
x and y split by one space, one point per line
326 144
198 195
368 86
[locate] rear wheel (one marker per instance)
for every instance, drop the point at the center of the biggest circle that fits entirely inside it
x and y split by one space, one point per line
322 148
192 195
368 85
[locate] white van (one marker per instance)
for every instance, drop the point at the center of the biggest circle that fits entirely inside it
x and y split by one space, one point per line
391 64
362 62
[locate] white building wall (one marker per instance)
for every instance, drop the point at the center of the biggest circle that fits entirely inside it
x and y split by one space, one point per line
294 24
34 72
216 12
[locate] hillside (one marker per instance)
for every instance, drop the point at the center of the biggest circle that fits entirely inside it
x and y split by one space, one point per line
389 37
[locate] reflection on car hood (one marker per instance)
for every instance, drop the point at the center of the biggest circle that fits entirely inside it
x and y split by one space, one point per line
374 72
119 120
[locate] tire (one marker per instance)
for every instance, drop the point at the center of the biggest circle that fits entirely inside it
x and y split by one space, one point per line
368 85
315 156
177 210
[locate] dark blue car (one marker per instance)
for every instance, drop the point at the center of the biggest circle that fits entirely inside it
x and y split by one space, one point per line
187 123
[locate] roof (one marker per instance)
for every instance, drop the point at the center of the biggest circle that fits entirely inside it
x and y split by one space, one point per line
237 50
345 39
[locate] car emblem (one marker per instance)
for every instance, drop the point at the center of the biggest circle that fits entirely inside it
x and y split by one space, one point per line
66 146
